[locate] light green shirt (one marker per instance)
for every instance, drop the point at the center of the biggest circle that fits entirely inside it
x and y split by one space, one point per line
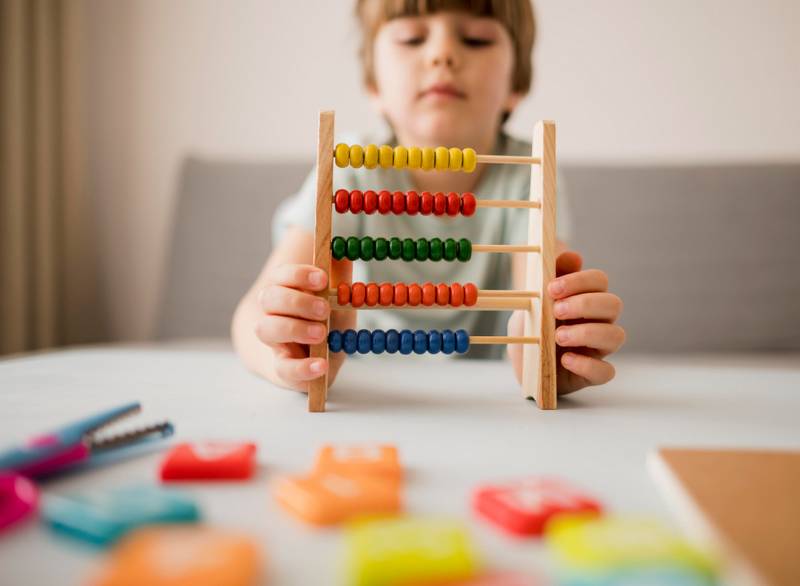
486 226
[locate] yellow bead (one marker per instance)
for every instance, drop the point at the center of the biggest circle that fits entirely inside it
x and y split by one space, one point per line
455 159
400 157
428 158
371 156
356 155
342 155
414 157
442 158
386 156
470 160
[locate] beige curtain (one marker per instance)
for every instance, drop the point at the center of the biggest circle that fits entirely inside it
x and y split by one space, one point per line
48 283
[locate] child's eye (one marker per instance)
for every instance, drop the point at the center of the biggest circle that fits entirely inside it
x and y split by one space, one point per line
476 42
412 41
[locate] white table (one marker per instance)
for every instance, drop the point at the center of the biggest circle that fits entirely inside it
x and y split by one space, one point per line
457 424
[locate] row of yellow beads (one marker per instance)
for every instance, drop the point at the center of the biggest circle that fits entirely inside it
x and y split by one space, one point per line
400 157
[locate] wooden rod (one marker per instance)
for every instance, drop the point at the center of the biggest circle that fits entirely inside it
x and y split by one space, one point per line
503 340
505 248
507 203
508 160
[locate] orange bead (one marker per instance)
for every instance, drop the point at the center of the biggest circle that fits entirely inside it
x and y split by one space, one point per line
372 294
386 294
456 294
398 202
453 204
341 200
343 293
400 294
358 293
442 294
414 294
470 294
356 201
439 203
428 294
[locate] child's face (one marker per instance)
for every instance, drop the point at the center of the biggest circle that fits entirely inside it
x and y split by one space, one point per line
444 78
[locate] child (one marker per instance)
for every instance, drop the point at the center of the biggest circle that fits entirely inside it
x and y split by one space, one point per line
443 73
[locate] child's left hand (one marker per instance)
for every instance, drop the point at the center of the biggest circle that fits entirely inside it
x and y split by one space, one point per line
585 313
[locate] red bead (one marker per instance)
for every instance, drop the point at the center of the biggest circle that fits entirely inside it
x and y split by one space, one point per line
442 294
428 294
343 293
426 203
400 294
341 200
456 294
384 202
470 294
370 202
356 201
358 293
468 204
398 202
453 204
386 294
412 203
414 294
372 294
439 203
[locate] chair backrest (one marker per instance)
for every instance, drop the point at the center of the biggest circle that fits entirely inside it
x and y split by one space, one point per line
704 257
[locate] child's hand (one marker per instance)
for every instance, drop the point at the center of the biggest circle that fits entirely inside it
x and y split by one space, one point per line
585 330
294 318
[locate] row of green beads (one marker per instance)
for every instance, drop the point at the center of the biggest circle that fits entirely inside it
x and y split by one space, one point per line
408 249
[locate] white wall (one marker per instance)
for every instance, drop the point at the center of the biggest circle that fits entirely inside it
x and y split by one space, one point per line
626 80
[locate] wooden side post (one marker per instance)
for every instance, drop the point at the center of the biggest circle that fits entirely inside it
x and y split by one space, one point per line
318 388
539 361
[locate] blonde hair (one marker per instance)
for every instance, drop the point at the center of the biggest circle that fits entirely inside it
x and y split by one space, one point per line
515 15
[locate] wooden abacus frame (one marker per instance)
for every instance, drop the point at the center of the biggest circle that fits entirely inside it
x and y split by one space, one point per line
539 351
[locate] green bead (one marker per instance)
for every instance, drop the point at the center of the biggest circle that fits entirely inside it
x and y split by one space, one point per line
436 250
395 248
367 248
450 249
338 247
409 249
353 248
381 248
464 250
422 249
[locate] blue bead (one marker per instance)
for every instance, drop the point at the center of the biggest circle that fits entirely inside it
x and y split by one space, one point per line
335 341
392 341
420 342
364 342
462 341
349 341
434 342
448 341
406 342
378 341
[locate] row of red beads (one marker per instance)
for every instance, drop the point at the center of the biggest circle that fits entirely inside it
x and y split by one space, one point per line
408 202
413 294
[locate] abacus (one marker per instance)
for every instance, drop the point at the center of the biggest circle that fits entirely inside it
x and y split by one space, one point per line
539 356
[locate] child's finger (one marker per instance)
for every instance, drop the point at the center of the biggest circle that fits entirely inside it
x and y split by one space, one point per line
600 306
588 281
606 338
299 277
279 329
300 370
276 299
593 370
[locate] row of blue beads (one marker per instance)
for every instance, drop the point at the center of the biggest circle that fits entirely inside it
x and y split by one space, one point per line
404 341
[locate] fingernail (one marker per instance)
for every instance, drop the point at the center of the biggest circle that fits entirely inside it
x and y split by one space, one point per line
316 279
560 308
319 308
562 335
317 366
567 359
315 331
556 287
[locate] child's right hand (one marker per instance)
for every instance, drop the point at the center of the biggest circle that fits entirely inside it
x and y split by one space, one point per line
294 317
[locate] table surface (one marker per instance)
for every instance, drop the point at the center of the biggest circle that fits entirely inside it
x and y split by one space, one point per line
457 424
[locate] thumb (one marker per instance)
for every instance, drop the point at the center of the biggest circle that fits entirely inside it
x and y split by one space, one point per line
568 262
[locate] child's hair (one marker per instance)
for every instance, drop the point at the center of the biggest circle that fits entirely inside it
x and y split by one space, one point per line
515 15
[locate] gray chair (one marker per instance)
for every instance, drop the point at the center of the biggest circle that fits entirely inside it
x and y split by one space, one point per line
703 256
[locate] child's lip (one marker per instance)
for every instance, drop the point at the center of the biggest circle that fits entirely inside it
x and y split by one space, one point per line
443 89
